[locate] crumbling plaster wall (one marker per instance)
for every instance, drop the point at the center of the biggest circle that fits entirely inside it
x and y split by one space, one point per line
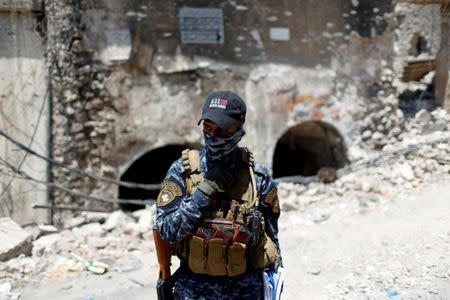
109 111
82 112
23 115
177 78
413 21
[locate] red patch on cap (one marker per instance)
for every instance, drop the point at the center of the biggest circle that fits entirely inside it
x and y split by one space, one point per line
218 103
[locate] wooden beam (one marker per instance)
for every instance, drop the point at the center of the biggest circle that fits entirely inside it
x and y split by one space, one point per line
417 69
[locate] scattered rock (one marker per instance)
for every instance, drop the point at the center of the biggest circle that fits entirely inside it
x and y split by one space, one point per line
146 222
288 206
127 265
45 244
315 271
423 116
46 229
15 240
5 292
74 222
407 172
95 217
115 220
96 242
319 218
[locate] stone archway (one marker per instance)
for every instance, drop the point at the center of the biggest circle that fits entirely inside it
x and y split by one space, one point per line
150 168
305 148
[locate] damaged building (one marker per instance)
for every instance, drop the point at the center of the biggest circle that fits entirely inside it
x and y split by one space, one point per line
108 91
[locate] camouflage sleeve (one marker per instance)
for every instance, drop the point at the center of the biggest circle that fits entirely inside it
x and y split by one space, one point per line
177 214
269 204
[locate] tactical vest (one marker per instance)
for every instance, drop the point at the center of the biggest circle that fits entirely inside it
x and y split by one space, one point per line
234 229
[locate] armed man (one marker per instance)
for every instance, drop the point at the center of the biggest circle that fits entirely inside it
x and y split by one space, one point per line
218 210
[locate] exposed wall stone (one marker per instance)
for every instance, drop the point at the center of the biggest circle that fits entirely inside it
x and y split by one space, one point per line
414 21
108 112
183 79
83 113
122 83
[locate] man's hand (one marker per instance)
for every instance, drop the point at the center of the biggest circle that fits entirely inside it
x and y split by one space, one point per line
218 177
217 180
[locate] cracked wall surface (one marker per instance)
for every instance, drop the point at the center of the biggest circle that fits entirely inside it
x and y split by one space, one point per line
23 116
122 83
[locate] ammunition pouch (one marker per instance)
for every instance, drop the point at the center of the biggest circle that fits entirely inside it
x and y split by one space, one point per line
197 255
216 256
237 262
217 260
265 254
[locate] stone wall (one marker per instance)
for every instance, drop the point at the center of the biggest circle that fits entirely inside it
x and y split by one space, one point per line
124 84
82 111
414 21
161 74
153 86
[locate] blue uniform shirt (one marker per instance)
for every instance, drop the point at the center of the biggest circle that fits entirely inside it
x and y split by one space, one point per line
179 214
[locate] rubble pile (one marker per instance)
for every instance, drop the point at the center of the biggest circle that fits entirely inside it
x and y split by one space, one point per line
375 177
115 239
386 124
383 125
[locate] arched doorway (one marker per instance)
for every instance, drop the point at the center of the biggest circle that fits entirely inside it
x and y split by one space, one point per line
307 147
150 168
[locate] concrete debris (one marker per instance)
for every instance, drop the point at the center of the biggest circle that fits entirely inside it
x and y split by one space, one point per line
45 244
423 116
314 272
93 229
15 240
5 292
385 130
127 265
146 220
38 230
114 239
387 125
91 217
47 229
115 220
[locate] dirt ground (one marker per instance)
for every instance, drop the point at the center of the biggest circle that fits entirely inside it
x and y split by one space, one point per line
398 250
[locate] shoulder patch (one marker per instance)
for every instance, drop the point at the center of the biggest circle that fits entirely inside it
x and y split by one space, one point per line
272 199
168 193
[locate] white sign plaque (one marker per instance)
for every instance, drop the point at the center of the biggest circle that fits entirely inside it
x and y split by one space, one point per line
118 45
201 25
279 34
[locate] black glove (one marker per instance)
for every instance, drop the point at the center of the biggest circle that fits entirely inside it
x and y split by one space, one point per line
219 177
217 180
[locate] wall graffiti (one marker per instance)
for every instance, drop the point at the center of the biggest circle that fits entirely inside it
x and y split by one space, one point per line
288 99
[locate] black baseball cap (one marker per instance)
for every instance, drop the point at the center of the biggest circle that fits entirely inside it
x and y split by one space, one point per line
224 108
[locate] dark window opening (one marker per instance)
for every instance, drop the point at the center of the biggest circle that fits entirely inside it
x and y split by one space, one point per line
410 102
306 148
368 19
151 168
421 45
